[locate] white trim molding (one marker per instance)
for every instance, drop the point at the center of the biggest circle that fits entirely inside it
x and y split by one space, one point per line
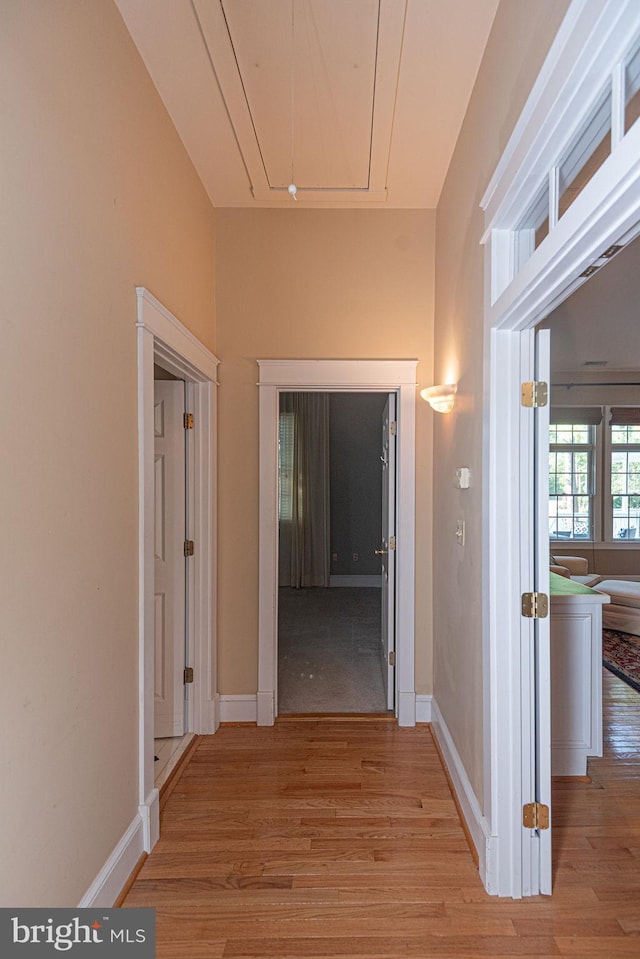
389 376
470 807
163 339
589 48
424 705
238 708
112 878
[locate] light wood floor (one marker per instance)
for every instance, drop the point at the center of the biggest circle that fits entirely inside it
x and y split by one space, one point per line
341 839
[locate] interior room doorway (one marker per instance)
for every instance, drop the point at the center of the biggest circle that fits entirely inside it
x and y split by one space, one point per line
345 376
337 473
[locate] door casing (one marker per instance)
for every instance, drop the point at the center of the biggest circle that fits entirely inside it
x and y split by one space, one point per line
366 376
164 340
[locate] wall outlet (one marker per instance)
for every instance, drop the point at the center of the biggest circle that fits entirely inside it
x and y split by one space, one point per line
354 557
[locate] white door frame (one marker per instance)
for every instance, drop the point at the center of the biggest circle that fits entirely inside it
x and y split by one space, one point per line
589 48
163 339
365 376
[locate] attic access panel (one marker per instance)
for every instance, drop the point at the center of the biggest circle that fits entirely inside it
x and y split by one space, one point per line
329 66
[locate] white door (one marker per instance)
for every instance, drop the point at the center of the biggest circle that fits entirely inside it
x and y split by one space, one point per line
169 537
535 632
542 663
387 550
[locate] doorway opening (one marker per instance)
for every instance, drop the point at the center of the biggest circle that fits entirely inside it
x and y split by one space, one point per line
163 341
594 465
337 376
334 586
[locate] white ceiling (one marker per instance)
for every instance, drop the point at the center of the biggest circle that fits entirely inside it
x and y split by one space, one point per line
377 90
366 97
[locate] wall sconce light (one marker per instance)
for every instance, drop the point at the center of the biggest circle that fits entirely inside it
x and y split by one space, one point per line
440 398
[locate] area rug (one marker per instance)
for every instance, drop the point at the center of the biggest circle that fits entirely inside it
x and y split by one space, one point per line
621 655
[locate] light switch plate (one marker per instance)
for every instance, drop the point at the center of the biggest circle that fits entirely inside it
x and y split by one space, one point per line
463 477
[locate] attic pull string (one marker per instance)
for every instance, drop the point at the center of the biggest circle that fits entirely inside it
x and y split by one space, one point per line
292 188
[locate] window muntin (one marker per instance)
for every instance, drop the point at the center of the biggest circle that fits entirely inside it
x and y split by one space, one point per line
571 486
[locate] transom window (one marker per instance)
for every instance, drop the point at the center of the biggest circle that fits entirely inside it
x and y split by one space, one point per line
607 119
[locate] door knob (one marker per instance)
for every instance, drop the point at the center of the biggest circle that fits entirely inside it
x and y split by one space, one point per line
379 552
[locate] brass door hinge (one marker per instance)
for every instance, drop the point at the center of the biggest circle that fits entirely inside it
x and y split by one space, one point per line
392 658
188 547
535 605
535 815
392 542
534 394
188 675
188 421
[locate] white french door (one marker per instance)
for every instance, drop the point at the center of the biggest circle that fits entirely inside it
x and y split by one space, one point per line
387 551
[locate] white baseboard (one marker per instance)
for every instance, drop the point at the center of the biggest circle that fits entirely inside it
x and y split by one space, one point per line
238 709
112 878
359 581
406 708
423 708
474 819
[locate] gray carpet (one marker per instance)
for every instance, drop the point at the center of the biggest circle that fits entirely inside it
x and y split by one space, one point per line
329 651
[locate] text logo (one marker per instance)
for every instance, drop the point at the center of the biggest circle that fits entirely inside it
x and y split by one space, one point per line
79 932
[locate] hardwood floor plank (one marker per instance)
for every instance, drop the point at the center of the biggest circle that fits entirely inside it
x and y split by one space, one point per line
330 839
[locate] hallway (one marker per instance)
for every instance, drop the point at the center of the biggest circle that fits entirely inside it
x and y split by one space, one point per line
340 838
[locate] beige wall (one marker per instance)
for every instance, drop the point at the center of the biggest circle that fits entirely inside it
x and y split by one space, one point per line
97 196
304 283
520 38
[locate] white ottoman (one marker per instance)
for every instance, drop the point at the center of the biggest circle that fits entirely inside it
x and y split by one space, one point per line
623 612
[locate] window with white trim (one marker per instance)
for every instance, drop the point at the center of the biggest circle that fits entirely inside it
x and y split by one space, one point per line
625 473
571 481
594 474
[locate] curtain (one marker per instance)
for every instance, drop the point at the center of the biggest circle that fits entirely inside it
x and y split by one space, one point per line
572 415
625 416
303 494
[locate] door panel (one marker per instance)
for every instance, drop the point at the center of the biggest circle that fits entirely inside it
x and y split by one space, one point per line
169 527
542 663
387 551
